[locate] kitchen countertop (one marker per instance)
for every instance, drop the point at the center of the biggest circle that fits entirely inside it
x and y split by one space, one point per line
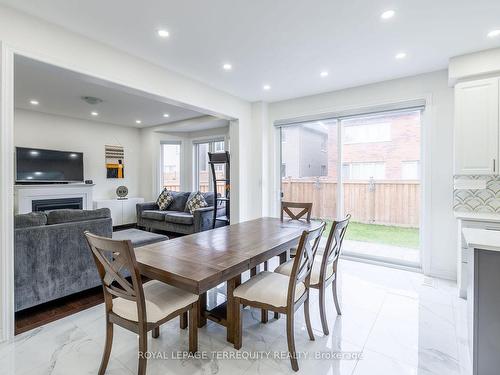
483 239
478 216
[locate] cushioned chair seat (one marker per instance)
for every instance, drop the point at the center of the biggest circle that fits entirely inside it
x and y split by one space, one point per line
179 218
161 300
286 269
154 215
268 287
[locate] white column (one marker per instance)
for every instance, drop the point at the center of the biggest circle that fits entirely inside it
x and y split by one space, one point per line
6 193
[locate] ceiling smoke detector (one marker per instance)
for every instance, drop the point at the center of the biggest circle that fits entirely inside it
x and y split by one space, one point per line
91 100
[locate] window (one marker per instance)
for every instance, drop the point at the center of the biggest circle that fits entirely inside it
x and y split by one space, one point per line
366 133
324 170
364 171
410 170
202 172
171 166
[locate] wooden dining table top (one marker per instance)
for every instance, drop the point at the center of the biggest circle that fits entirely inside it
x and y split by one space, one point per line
201 261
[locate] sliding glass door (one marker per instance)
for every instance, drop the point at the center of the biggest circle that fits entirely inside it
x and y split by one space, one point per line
366 166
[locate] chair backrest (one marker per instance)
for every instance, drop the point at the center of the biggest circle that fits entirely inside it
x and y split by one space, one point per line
306 210
112 259
333 246
304 258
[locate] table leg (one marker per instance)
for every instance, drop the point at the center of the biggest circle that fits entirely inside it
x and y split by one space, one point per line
202 306
231 286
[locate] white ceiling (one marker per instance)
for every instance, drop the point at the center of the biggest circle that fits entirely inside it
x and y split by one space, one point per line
284 43
60 91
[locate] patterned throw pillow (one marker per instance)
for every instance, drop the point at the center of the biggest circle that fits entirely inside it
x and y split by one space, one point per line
164 199
196 201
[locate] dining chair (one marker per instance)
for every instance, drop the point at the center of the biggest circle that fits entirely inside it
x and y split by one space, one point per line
286 208
280 293
325 268
137 307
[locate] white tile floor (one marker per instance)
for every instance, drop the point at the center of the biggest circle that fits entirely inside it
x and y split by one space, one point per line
401 322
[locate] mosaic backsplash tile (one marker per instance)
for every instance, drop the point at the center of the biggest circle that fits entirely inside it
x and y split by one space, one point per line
481 200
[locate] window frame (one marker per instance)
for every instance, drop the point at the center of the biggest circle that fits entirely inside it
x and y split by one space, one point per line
211 148
162 165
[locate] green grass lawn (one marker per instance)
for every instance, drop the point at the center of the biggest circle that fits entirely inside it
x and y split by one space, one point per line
395 236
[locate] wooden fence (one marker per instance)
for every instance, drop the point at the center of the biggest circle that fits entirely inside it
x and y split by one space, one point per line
375 202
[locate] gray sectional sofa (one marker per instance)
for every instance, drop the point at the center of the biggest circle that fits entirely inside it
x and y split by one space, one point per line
177 218
51 256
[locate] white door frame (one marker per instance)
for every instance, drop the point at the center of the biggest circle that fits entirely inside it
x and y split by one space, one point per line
6 192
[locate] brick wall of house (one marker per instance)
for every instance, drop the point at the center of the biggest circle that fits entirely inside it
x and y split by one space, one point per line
404 145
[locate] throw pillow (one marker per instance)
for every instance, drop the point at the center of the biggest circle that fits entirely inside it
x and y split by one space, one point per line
196 201
164 199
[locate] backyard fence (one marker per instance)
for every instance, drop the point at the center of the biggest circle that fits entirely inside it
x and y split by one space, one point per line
374 202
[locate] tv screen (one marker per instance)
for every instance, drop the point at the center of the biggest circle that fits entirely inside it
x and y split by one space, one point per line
37 165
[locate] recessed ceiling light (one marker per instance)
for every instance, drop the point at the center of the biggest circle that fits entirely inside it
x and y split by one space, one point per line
388 14
227 67
34 102
266 87
400 56
163 33
166 115
94 113
324 73
138 121
494 33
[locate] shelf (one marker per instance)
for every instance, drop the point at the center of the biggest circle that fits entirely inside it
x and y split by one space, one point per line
223 180
222 218
222 199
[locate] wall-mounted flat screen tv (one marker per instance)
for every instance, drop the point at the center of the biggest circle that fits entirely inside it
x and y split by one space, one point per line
38 165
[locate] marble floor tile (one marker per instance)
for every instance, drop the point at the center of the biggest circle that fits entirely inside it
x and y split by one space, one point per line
392 322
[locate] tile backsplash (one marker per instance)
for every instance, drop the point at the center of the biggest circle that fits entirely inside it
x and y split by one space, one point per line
477 200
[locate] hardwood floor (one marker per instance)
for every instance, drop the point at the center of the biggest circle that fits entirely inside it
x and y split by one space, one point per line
48 312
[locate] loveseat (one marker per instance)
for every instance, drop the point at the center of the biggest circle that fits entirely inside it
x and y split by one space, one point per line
177 218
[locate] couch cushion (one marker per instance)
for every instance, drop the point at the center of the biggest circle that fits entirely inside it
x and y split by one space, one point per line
209 198
138 237
154 215
179 218
179 203
195 201
33 219
69 215
164 200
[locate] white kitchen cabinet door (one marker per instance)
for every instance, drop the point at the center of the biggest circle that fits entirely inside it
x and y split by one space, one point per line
477 106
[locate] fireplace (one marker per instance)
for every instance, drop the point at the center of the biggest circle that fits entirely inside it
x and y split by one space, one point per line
56 204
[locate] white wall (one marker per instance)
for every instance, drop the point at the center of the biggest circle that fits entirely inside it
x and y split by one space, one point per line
35 129
441 237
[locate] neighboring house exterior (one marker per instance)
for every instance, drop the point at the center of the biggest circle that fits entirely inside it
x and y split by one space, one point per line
304 151
383 147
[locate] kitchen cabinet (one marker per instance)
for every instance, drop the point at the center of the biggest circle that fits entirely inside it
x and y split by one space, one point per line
477 106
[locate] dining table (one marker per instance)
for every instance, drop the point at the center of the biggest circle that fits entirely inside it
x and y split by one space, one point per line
201 261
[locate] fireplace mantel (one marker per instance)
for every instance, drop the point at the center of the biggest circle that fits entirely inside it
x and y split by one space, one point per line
26 194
